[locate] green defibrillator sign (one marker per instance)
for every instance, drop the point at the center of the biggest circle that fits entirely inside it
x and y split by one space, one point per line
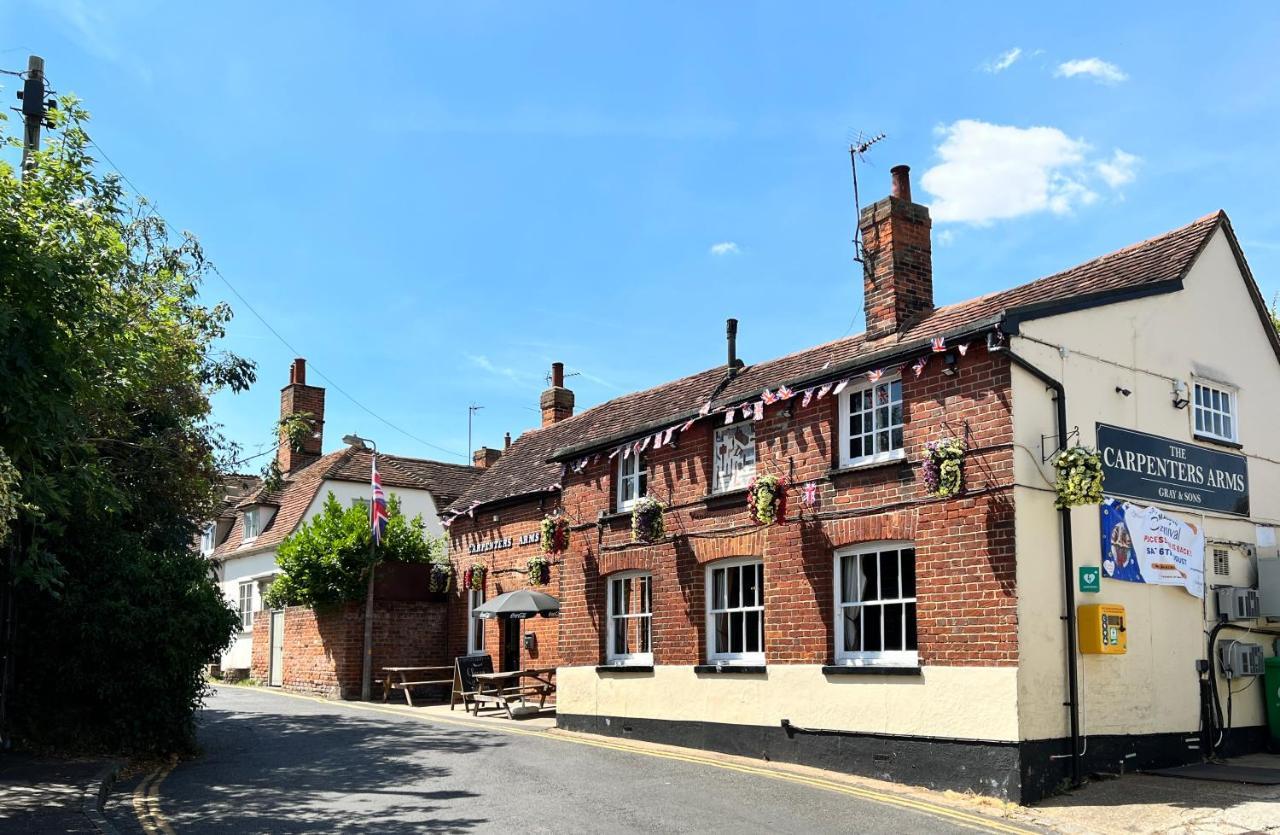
1090 578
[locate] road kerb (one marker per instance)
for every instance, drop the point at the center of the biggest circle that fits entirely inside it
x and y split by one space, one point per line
954 815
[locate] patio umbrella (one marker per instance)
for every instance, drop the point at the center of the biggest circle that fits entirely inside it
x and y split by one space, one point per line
519 604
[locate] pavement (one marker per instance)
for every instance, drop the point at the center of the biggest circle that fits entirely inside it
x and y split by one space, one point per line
46 795
289 764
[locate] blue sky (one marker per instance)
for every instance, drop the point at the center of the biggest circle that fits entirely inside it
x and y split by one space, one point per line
433 202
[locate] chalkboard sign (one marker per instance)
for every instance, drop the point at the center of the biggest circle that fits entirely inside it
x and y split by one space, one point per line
467 666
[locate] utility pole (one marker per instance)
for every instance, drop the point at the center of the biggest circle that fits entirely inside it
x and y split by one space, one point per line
35 109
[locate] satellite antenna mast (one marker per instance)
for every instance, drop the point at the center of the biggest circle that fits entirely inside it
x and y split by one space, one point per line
857 151
471 412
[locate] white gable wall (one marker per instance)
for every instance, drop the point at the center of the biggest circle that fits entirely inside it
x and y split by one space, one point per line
1210 328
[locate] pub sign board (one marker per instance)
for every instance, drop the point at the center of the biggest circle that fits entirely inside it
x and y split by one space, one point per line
1164 471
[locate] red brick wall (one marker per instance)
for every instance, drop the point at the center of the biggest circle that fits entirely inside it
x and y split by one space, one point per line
324 650
897 265
964 546
507 570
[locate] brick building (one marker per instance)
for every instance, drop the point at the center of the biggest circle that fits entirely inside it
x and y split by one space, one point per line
884 629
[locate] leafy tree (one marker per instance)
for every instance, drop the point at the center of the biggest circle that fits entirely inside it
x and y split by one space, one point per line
327 560
107 362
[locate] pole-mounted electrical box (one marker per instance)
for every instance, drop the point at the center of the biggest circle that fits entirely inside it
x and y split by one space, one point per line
1240 659
1101 629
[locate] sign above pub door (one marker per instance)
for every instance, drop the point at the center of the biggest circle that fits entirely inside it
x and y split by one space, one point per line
1168 472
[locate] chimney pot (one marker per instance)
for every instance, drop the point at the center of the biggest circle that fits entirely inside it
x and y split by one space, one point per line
557 374
298 372
901 187
506 441
731 334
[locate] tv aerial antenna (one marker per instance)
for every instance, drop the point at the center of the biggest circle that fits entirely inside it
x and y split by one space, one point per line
858 148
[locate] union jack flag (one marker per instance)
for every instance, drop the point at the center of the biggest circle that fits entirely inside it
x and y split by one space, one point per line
378 507
785 393
768 397
939 344
919 365
963 348
874 376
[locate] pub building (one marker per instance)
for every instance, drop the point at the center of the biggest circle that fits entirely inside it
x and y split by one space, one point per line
921 611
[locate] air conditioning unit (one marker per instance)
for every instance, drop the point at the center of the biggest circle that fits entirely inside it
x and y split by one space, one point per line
1239 659
1239 604
1269 586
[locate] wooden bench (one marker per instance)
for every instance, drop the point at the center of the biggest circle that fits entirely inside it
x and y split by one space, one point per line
398 678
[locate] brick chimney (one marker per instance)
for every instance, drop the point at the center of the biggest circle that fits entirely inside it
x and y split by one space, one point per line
557 401
484 457
897 269
296 398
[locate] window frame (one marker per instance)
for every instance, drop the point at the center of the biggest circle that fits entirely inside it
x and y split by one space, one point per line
246 615
733 658
209 538
716 488
639 659
640 478
1231 413
873 658
475 626
846 412
251 513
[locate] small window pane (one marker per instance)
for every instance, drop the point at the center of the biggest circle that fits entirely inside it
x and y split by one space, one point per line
735 631
735 588
911 626
870 570
908 572
750 591
889 575
752 625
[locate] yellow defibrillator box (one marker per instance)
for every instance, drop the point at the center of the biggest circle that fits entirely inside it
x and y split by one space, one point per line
1100 628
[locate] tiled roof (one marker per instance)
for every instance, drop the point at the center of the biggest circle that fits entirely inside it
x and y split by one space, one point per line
443 481
524 468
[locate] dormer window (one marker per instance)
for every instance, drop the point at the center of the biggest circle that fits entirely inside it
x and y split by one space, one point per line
252 523
209 538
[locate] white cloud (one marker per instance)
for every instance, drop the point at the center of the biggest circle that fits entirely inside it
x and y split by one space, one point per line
993 172
1004 61
1103 71
523 378
724 248
1118 170
946 237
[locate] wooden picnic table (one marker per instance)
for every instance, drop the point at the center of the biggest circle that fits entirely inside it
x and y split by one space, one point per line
399 678
501 689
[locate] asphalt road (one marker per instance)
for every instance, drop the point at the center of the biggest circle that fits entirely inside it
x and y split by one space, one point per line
272 763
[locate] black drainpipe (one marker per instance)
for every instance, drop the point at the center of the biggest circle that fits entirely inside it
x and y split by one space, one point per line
1068 581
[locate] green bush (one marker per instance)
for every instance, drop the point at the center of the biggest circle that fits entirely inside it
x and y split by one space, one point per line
108 359
327 559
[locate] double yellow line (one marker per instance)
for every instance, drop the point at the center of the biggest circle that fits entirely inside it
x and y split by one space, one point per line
146 803
964 819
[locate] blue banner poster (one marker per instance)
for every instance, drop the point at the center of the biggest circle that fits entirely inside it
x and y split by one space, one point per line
1146 545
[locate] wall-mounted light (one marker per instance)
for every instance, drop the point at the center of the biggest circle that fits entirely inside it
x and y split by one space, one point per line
1180 400
949 361
1122 391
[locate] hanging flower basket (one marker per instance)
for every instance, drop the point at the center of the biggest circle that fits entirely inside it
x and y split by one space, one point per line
943 467
647 524
473 577
555 535
441 578
1079 477
539 571
767 500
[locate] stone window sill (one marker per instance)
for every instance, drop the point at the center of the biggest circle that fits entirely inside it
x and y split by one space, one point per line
868 670
731 669
626 669
608 518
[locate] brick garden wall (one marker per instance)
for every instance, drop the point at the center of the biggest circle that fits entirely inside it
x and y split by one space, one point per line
964 546
323 650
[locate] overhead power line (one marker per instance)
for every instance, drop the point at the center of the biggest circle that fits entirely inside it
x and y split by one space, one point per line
153 209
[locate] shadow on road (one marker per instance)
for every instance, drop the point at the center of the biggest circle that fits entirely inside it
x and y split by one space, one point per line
267 772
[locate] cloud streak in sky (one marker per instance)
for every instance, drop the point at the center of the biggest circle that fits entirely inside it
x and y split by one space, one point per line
1004 61
724 248
1095 68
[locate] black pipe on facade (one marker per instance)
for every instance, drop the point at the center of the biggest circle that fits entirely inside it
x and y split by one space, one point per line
1068 566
